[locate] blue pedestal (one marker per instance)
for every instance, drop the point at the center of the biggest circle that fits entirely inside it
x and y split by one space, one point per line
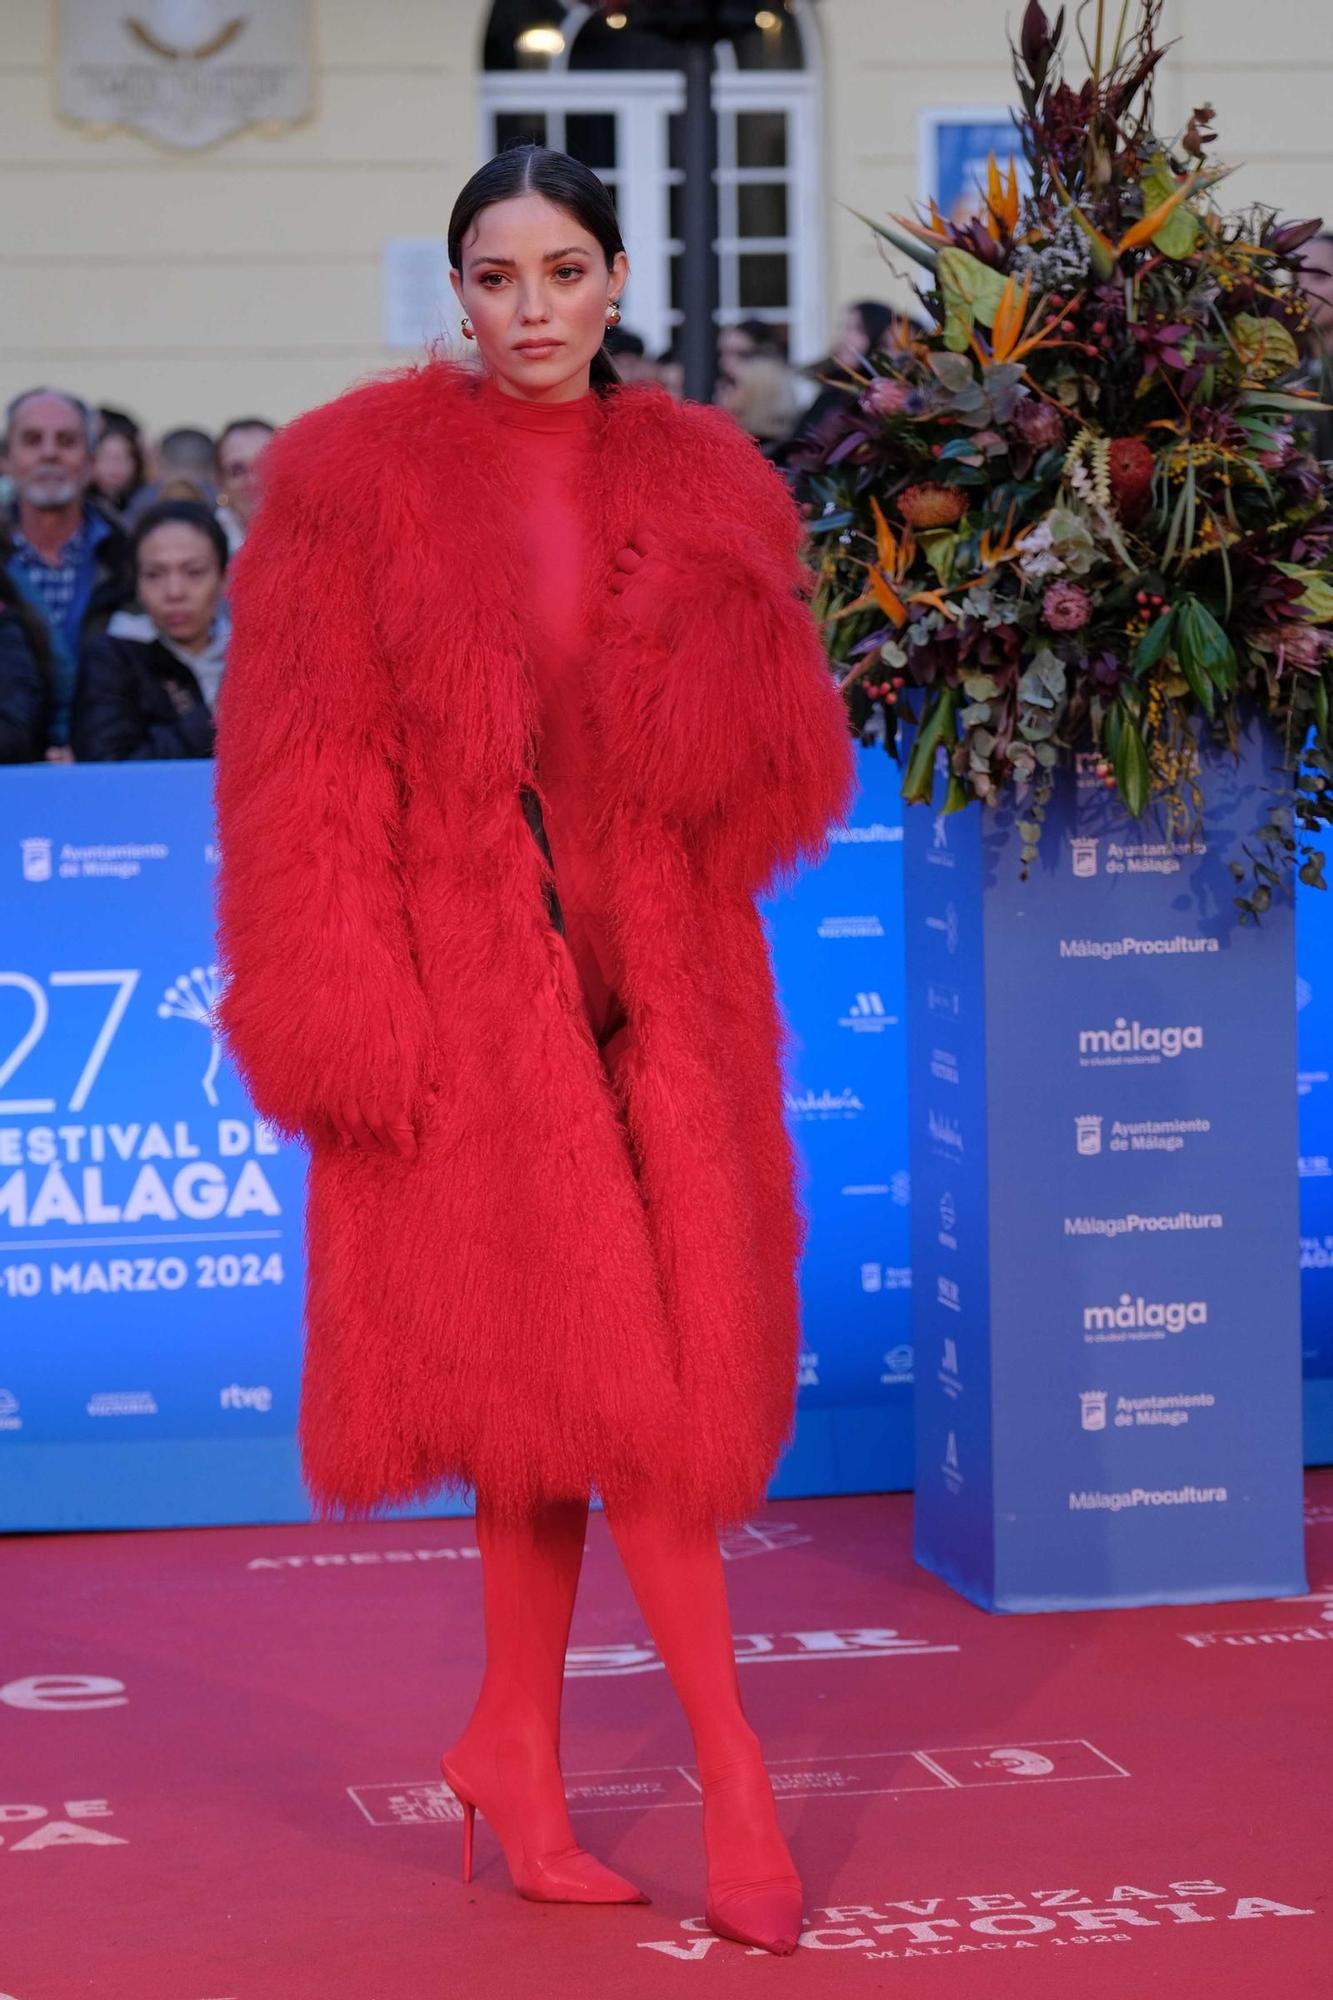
1103 1145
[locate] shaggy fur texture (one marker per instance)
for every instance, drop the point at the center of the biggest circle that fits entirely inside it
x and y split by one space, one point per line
574 1284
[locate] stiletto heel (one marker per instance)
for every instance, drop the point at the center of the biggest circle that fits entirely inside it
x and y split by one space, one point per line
565 1875
765 1909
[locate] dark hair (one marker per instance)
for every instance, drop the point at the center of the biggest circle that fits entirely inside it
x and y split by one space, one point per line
116 423
562 180
619 340
186 447
876 319
190 514
244 424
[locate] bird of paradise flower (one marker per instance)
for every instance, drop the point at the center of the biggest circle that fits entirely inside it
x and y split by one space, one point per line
193 997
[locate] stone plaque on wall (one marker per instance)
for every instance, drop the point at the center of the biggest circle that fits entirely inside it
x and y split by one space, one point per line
184 72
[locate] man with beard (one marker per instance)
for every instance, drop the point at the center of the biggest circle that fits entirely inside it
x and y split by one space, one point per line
57 552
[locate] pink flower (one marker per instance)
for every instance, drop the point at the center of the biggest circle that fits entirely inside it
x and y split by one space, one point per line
886 396
1066 607
1037 424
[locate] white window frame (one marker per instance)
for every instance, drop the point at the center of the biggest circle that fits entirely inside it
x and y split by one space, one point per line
643 176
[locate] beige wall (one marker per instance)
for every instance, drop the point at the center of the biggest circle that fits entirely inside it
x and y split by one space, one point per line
193 287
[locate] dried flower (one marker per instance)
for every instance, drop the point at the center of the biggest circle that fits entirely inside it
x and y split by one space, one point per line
1066 607
1037 424
1129 467
932 506
886 397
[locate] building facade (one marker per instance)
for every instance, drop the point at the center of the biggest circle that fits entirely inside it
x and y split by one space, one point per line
265 271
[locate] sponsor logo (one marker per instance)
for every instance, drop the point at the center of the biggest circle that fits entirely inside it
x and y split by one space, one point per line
1134 1042
1308 1080
234 1397
807 1372
886 1278
948 1295
899 1364
944 1066
122 1403
943 1000
1088 1136
900 1188
1170 1412
10 1420
35 855
947 925
1316 1631
55 1693
1314 1167
828 1104
945 1132
948 1221
1138 1225
1132 947
1092 1408
849 927
949 1378
1083 857
1153 1135
1140 1496
1304 995
878 832
1142 1319
619 1660
362 1558
866 1015
121 862
953 1477
938 853
1150 857
1316 1255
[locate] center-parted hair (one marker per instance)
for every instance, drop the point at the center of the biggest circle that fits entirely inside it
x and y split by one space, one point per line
560 179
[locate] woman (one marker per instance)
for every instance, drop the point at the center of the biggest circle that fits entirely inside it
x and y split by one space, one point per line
119 467
148 688
522 708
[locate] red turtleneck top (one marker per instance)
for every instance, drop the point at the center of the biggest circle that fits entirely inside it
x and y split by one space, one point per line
548 444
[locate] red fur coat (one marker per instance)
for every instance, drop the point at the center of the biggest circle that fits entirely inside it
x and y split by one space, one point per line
566 1288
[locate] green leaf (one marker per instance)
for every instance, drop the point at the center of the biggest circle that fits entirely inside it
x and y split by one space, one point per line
971 291
1207 644
1154 642
919 778
1131 768
940 545
1178 236
980 687
1264 346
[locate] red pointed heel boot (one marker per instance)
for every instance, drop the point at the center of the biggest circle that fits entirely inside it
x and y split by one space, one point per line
754 1892
517 1786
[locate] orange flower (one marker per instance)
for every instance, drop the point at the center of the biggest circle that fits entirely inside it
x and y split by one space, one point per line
931 505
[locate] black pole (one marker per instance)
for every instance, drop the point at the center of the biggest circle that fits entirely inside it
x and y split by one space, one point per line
699 260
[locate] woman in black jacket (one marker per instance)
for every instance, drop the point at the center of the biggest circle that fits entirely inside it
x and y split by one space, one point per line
148 688
25 680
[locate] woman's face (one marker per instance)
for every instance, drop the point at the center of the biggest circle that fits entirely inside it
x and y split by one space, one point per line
113 464
535 285
851 343
180 582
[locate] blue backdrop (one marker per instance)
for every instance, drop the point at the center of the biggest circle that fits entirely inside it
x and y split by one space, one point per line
151 1227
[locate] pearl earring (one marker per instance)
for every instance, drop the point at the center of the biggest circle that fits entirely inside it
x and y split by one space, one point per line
468 334
612 313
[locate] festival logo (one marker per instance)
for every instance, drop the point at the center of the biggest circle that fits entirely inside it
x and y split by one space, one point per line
899 1363
10 1420
866 1015
1092 1408
193 996
952 1471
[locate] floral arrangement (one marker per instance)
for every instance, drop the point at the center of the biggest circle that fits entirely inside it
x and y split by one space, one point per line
1078 514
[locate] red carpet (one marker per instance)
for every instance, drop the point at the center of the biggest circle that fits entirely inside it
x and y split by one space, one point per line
243 1804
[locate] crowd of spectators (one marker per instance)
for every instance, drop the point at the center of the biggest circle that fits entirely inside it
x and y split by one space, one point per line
114 552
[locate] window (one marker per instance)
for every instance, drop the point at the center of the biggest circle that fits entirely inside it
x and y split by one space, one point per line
559 75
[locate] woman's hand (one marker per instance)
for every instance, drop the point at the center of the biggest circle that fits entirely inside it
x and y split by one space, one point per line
370 1123
645 579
